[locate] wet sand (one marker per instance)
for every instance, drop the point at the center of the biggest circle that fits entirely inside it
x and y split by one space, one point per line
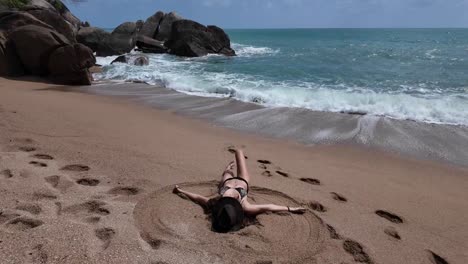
88 179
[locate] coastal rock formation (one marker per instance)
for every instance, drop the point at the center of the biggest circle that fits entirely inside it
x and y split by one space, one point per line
52 18
191 39
34 45
69 64
151 25
96 39
149 45
141 61
10 20
59 7
165 27
39 39
122 40
135 60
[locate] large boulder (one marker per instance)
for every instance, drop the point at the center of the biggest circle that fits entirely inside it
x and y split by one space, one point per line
52 18
69 65
165 27
132 59
149 45
59 7
191 39
10 20
10 64
34 45
126 28
96 39
122 39
151 25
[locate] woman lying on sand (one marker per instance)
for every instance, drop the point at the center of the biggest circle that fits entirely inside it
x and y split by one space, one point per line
231 203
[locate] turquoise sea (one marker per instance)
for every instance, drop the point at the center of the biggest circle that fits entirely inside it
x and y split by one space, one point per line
415 74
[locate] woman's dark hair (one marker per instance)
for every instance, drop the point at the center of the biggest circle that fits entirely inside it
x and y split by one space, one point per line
227 215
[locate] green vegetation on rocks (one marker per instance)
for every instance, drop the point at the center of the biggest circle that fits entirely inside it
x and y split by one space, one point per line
14 3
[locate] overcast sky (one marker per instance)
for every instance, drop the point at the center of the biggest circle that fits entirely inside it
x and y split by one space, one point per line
283 13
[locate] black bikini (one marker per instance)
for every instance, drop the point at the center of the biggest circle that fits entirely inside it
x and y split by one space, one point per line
242 192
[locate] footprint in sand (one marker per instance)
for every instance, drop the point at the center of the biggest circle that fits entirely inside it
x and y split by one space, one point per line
38 255
284 174
90 207
264 162
232 150
88 182
30 208
391 231
389 216
357 251
262 166
27 149
44 195
38 164
75 168
436 259
128 191
43 156
105 234
6 173
333 233
58 182
338 197
316 206
93 219
267 173
5 216
310 181
24 223
153 242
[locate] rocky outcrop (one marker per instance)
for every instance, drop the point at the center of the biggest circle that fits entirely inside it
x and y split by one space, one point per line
165 27
159 25
69 65
37 50
40 40
34 45
149 45
96 39
59 7
121 59
151 25
141 61
135 60
122 40
52 18
10 20
191 39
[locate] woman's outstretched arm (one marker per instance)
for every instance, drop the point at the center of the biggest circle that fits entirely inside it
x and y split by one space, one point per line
199 199
255 209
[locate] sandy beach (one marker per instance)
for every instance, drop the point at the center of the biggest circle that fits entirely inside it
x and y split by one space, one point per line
88 179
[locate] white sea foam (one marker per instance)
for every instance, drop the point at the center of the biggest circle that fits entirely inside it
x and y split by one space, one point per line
189 76
250 51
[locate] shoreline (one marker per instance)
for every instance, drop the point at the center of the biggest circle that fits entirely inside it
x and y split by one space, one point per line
137 152
412 139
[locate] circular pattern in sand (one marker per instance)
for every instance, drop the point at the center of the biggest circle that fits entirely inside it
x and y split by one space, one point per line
165 218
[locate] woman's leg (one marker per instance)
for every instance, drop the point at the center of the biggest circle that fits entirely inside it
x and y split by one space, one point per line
227 173
241 166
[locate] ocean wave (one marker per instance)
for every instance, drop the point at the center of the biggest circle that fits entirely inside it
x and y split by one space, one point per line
189 76
250 51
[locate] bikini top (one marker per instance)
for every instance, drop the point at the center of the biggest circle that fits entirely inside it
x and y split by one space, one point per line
242 192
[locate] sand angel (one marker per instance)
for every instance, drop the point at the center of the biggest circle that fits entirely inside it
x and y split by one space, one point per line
230 205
